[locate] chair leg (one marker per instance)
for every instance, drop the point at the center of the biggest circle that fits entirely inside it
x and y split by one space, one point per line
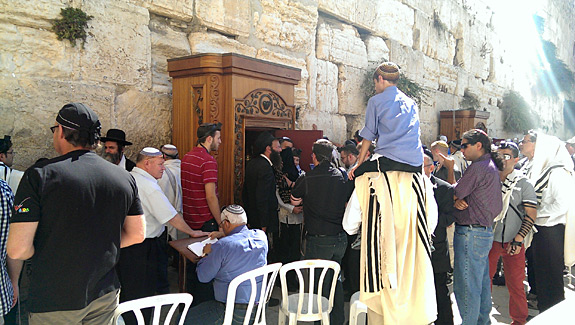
292 319
325 318
352 315
281 317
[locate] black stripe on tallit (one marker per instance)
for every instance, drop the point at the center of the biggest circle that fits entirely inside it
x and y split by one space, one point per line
388 188
422 230
369 281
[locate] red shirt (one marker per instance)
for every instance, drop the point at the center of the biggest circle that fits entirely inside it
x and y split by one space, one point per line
198 169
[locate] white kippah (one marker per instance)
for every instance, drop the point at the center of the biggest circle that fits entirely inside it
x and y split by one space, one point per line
169 149
151 152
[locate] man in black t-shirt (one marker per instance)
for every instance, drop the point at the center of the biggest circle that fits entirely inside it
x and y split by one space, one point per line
72 215
324 192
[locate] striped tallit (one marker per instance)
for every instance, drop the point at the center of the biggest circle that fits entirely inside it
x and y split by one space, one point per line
396 273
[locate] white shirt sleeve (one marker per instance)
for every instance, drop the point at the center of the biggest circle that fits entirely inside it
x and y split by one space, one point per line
352 216
556 199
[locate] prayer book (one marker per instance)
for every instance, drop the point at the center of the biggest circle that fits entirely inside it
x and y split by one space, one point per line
198 248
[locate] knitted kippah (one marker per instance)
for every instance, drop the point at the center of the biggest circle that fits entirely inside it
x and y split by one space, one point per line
388 71
235 209
150 152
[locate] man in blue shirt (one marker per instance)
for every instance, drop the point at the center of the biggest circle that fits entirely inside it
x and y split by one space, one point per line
240 251
392 119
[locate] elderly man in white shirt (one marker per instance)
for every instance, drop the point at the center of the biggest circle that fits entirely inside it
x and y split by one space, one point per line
138 266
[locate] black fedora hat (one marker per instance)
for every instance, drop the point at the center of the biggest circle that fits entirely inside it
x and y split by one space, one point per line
116 135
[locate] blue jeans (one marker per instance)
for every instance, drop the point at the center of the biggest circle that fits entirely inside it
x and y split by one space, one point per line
471 282
214 312
330 248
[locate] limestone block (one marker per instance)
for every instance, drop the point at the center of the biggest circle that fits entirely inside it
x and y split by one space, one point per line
376 48
30 52
359 13
425 6
301 88
448 77
326 87
395 21
31 13
211 42
340 43
333 125
178 9
286 23
354 123
410 61
311 62
29 106
146 117
462 81
167 43
432 41
118 50
350 93
430 73
227 16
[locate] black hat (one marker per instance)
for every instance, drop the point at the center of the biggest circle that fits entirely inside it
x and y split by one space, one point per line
78 116
428 153
116 135
5 144
207 128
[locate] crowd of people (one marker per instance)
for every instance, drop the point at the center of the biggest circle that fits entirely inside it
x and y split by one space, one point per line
403 219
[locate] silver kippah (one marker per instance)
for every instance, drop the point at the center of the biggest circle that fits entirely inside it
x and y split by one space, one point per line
151 152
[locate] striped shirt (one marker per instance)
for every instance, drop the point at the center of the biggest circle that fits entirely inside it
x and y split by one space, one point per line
6 205
198 168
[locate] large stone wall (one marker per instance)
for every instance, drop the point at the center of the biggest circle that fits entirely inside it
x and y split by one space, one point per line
447 46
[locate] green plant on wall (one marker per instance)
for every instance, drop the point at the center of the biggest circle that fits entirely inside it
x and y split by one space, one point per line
517 114
469 100
409 87
72 25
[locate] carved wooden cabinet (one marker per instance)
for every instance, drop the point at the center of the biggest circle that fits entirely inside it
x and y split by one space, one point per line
243 93
455 122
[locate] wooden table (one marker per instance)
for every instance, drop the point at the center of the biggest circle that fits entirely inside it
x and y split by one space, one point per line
181 245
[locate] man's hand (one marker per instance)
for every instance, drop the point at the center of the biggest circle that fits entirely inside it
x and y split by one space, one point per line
515 249
207 249
297 210
198 233
350 174
448 161
460 204
216 234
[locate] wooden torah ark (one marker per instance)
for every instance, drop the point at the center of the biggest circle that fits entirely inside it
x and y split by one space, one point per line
455 122
238 91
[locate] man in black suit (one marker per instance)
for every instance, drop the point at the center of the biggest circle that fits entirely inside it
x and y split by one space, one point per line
259 193
443 193
114 143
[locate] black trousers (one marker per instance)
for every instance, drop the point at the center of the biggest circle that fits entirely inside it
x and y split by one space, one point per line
548 258
531 270
351 265
138 273
444 310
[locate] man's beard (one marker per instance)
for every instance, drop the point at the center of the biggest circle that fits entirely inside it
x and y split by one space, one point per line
114 158
276 157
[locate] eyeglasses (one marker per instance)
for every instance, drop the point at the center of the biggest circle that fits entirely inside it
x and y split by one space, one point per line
221 223
428 165
465 145
53 128
507 157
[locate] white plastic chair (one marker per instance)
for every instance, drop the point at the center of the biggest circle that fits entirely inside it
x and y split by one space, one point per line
357 309
268 274
136 306
307 306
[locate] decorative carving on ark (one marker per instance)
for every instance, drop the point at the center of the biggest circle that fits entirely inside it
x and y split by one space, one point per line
239 157
196 94
264 102
214 96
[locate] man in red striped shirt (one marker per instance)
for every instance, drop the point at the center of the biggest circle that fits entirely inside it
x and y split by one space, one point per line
199 180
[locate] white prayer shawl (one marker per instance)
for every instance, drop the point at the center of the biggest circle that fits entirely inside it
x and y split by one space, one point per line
550 153
399 215
506 190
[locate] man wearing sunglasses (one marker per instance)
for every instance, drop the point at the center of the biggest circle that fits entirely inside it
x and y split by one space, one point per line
510 229
11 176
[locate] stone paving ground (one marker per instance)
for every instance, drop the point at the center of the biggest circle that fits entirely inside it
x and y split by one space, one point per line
499 311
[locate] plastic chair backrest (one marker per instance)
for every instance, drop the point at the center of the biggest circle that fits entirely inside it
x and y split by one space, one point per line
311 266
268 274
136 306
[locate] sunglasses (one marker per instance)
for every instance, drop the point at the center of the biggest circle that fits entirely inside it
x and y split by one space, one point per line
465 145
